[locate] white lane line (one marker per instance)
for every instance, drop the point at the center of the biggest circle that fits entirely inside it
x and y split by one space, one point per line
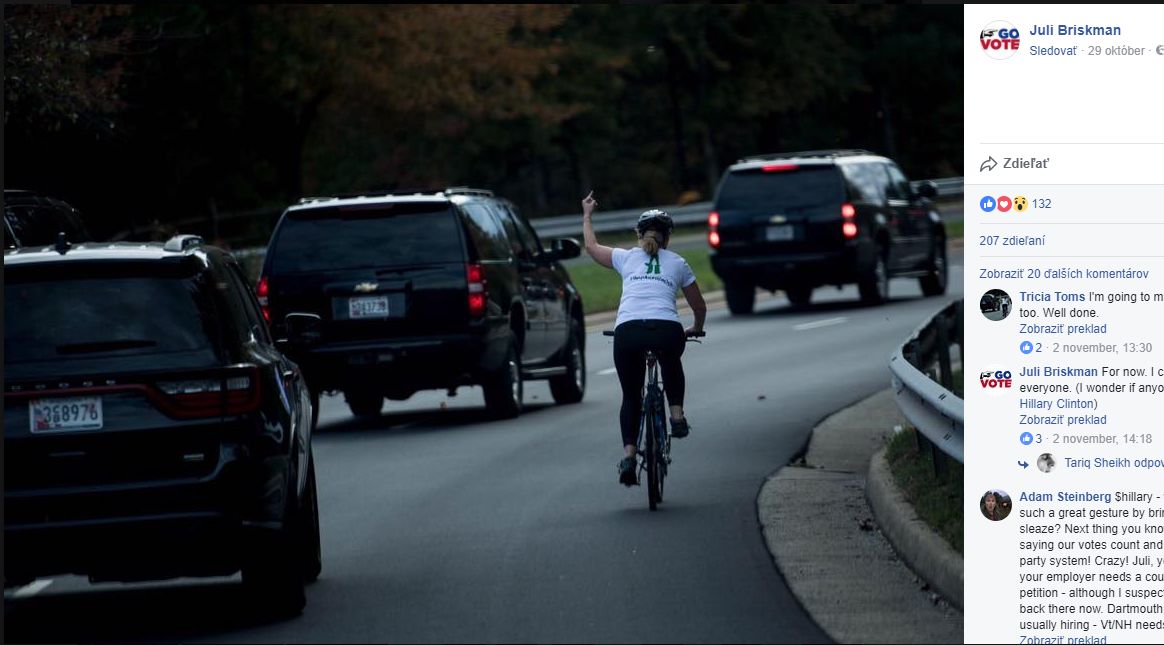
610 370
30 590
828 322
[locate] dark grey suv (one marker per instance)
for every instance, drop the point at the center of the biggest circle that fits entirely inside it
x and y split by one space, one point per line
414 291
797 221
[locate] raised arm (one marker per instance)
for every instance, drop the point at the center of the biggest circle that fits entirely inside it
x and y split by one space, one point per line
698 306
601 254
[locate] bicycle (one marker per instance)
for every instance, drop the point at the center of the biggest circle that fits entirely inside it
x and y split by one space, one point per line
655 455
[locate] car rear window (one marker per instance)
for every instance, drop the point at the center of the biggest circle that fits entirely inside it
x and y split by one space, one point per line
805 186
323 239
38 225
105 317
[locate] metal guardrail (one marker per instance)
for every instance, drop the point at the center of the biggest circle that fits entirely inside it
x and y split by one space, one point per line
623 220
928 402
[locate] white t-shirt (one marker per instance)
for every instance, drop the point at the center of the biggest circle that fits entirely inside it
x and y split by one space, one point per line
649 284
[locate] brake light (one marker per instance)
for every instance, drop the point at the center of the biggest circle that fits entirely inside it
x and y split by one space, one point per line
849 228
713 230
713 239
780 167
477 291
234 391
263 292
713 220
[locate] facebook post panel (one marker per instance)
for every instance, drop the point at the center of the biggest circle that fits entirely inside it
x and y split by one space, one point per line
1064 367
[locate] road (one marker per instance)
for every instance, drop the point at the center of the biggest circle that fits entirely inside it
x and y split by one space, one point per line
441 526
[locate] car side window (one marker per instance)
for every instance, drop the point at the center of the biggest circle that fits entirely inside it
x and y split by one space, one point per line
528 234
523 242
250 304
866 182
487 232
898 187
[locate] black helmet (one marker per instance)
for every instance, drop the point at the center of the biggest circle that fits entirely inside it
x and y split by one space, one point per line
656 219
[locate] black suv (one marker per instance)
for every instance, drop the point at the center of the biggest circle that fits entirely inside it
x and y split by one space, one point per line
31 219
417 291
151 428
800 220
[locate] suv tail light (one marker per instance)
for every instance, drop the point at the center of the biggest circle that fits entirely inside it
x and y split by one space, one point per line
263 290
849 227
234 390
780 167
477 293
713 230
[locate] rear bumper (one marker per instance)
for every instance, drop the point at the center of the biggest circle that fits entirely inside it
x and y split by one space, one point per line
147 530
776 271
404 365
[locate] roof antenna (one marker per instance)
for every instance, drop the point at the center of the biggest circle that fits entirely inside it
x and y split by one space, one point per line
63 245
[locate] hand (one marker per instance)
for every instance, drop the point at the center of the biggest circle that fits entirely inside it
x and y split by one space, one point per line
588 204
692 331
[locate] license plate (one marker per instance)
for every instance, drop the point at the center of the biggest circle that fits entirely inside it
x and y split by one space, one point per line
374 307
781 233
66 414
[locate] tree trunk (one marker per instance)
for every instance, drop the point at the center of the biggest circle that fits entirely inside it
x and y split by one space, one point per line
887 128
710 160
677 117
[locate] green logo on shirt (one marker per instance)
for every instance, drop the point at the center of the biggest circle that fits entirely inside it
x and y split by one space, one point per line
653 266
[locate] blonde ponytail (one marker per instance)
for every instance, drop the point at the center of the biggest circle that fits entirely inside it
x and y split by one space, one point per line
650 242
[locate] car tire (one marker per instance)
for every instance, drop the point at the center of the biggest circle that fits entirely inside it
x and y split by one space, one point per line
307 526
874 285
504 389
799 296
741 298
271 575
314 407
571 387
364 403
934 283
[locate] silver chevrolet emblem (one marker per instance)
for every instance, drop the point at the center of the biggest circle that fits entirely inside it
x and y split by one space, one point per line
777 219
366 287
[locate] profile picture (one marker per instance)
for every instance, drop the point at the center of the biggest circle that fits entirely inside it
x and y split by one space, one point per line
995 505
1046 462
995 304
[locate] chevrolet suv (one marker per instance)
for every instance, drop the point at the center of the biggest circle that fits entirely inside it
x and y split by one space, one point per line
797 221
152 429
433 290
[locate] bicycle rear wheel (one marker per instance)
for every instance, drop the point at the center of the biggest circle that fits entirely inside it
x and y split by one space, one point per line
653 459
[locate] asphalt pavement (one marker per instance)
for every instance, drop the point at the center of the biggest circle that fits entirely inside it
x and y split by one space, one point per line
442 526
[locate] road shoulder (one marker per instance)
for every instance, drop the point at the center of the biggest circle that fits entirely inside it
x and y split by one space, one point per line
823 536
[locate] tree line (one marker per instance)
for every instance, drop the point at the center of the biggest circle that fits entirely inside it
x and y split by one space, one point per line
150 114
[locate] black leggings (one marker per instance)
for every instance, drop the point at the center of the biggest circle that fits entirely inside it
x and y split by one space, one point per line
632 339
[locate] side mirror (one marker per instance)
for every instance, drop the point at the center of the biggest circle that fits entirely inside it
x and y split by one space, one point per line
565 248
928 189
303 329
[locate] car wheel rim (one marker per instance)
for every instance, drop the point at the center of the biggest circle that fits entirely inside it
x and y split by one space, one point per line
579 372
940 268
515 382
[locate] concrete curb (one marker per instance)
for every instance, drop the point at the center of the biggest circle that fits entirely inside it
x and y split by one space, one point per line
926 552
824 539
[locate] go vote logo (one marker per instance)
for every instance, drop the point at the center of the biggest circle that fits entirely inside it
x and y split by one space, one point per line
996 380
999 39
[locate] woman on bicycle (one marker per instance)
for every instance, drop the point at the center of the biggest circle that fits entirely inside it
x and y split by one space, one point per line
648 320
